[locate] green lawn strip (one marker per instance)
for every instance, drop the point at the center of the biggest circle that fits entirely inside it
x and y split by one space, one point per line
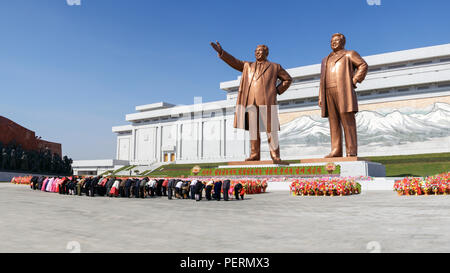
180 169
119 170
146 172
441 157
417 169
107 173
414 165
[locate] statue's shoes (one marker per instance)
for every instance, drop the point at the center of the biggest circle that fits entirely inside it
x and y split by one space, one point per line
330 155
279 161
252 158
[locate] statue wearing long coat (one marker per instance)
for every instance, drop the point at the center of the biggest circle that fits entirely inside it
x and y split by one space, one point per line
264 85
349 65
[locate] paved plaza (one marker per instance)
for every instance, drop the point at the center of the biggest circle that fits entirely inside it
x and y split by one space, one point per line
35 221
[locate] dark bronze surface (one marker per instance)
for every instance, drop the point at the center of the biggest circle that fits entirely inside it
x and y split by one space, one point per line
340 72
256 106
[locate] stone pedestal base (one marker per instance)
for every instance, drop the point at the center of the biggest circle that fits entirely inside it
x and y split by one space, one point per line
352 167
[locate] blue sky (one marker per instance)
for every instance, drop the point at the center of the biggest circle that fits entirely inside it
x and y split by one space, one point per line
70 73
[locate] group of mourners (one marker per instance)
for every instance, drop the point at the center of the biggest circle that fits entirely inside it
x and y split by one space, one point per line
140 187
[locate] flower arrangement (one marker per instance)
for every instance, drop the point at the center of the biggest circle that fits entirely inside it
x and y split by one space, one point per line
250 186
331 167
26 180
437 184
196 169
325 186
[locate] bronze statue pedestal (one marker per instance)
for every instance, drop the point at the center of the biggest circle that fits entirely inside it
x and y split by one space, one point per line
258 162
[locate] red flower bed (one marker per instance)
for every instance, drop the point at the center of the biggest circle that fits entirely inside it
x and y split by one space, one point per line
26 180
437 184
325 186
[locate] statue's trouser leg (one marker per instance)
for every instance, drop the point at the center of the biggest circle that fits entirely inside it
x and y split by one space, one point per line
274 146
255 139
334 119
351 141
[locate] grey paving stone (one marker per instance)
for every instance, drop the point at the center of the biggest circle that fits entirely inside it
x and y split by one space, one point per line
34 221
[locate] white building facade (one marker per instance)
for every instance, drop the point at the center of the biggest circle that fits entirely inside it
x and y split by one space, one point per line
404 109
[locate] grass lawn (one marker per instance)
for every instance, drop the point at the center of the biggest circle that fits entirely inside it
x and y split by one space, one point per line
180 169
414 165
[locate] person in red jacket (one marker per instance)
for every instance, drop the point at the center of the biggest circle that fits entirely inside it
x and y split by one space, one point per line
164 186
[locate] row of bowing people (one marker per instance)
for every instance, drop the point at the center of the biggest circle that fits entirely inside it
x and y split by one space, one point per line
139 187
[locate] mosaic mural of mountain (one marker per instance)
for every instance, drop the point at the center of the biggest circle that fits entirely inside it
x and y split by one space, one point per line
384 128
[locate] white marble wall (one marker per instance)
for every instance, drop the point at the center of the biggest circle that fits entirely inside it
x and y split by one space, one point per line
189 139
123 147
145 144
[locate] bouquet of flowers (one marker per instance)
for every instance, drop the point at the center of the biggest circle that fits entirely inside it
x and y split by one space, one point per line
250 186
325 186
437 184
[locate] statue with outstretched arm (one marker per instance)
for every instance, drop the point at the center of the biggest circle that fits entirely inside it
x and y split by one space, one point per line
256 106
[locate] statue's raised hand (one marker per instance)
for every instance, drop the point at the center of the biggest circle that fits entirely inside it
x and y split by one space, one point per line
217 47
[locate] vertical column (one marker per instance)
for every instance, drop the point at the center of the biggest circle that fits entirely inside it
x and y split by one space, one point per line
133 146
158 143
117 147
223 137
200 139
178 142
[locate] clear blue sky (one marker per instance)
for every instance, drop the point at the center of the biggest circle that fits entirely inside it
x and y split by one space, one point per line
70 73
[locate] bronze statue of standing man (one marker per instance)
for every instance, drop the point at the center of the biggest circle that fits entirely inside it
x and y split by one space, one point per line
256 106
340 72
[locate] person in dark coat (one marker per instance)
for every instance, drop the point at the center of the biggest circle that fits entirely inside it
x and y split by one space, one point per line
87 185
142 184
192 189
185 189
208 189
101 186
33 182
226 188
170 187
122 188
128 184
40 181
159 189
237 191
109 185
136 183
198 190
217 190
93 187
71 186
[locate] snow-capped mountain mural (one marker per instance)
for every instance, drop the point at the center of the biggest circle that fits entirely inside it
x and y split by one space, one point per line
383 129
